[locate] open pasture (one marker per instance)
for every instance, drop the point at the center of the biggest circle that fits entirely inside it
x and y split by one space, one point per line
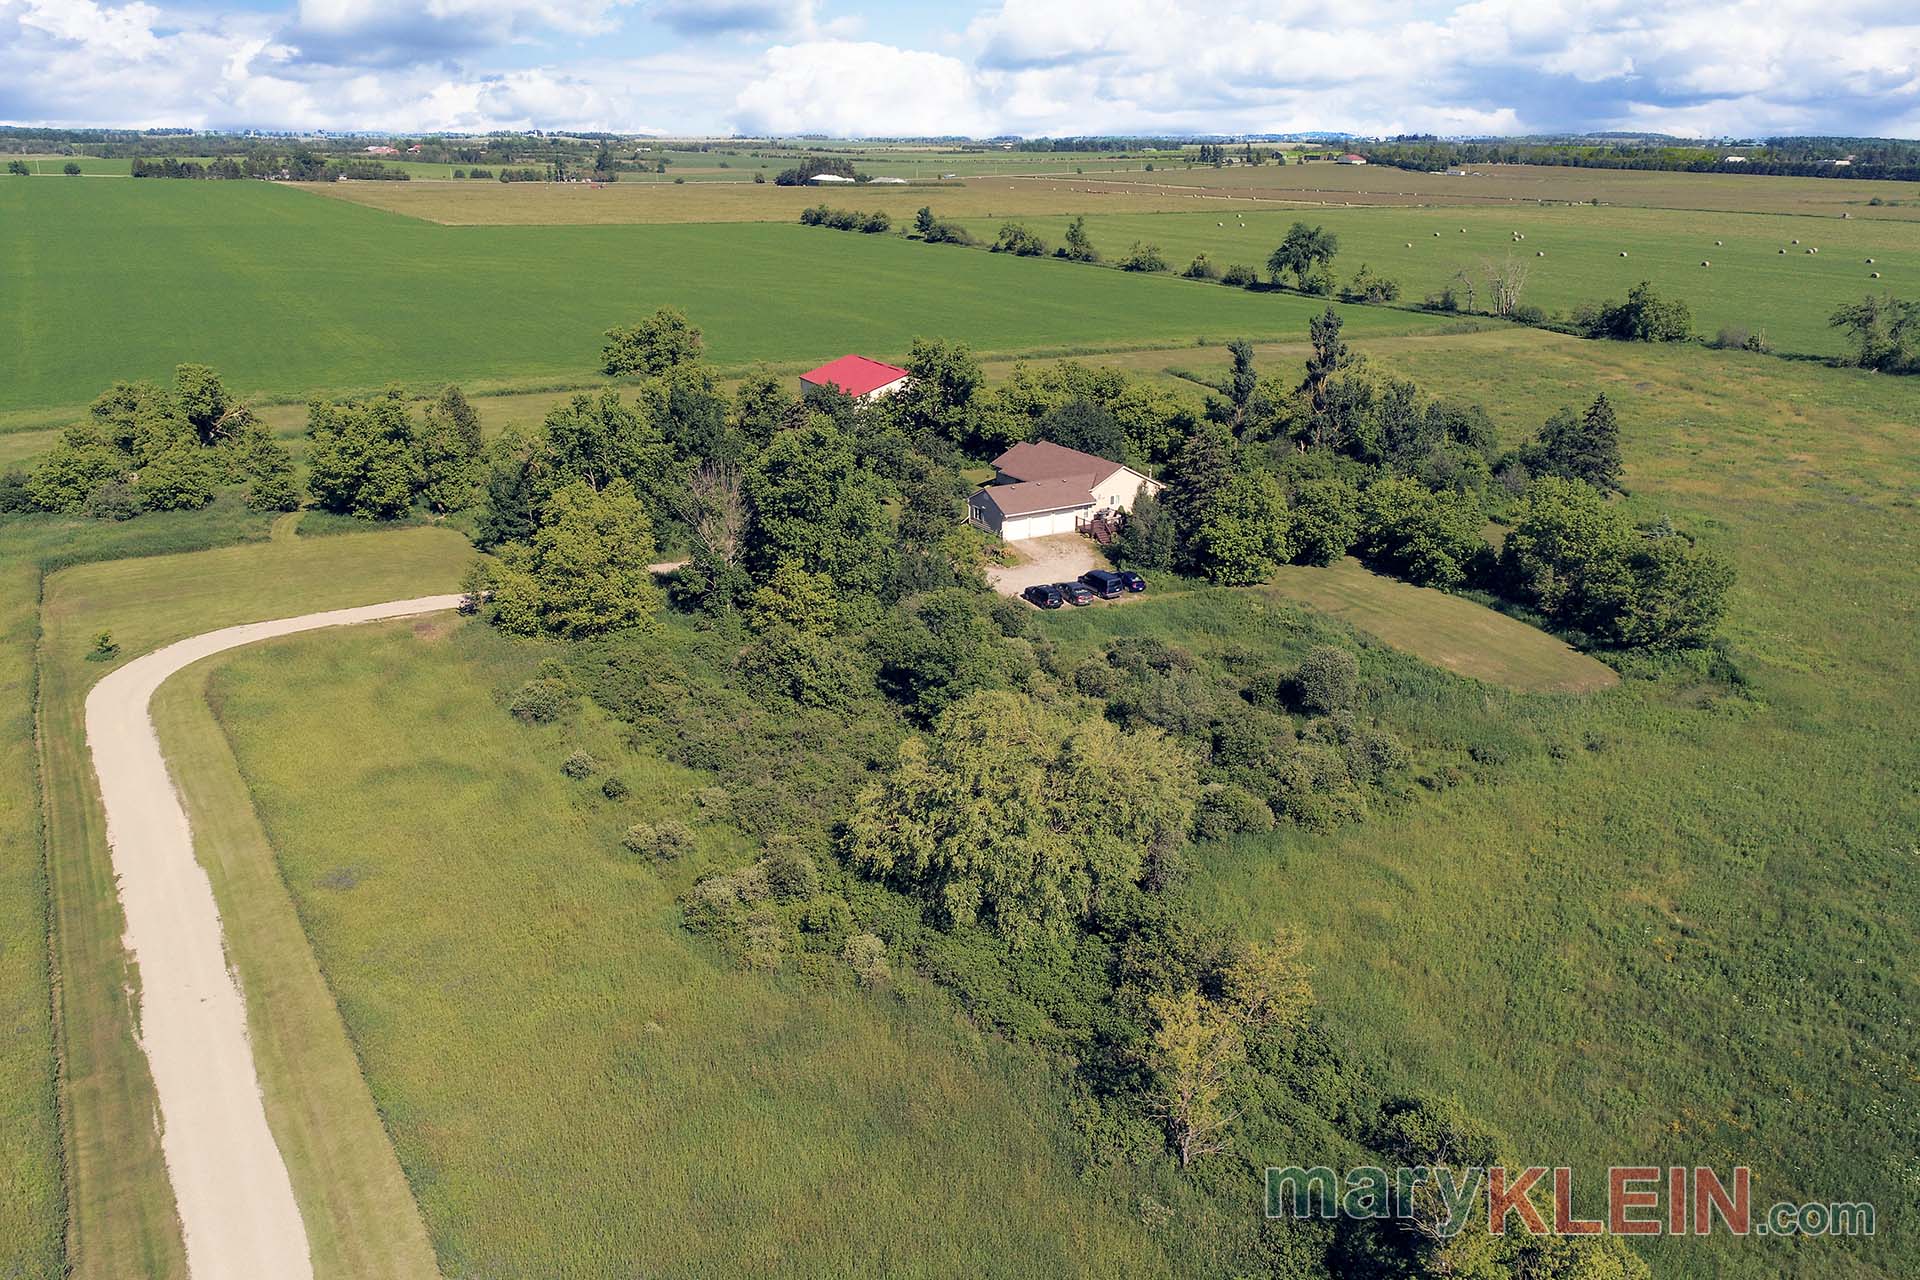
289 295
1323 182
1750 282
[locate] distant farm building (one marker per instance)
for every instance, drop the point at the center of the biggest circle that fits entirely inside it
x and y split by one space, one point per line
829 180
1041 489
1351 158
857 376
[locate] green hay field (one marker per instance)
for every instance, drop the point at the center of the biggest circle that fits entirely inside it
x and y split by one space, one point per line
288 294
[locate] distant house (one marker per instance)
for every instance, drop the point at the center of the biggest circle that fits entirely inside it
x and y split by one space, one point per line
1040 489
1351 158
889 182
1735 160
381 150
857 376
828 180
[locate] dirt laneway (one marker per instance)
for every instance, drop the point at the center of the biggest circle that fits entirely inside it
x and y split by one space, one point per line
237 1210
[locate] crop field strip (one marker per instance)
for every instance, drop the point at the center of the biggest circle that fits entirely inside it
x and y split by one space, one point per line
288 294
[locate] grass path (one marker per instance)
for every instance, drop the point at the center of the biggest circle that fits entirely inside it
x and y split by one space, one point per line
122 1220
1466 638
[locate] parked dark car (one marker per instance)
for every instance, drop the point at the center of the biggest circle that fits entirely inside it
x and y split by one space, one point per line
1133 581
1075 592
1045 595
1105 583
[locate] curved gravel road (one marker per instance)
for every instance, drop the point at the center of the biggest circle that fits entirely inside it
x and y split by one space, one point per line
237 1211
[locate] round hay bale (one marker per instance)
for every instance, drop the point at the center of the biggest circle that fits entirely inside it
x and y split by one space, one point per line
1873 275
1539 253
1409 244
1623 253
1705 263
1718 243
1869 261
1796 242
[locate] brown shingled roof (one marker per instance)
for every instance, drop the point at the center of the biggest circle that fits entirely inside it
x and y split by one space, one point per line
1043 460
1030 497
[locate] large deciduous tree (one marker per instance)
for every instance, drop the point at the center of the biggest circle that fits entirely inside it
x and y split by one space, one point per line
1003 814
663 341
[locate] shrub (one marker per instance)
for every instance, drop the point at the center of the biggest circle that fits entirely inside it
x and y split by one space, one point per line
105 648
791 874
1735 337
615 788
113 500
1240 276
71 169
1014 238
1644 317
1366 286
579 765
1143 257
1528 314
1200 269
542 700
866 955
662 841
1328 680
1227 809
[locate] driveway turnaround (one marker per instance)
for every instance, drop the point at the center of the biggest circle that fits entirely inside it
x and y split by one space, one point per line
237 1211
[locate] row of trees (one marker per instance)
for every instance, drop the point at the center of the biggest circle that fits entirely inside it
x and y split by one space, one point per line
377 459
846 219
145 447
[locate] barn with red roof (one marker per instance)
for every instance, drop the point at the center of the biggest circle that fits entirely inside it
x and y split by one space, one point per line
857 376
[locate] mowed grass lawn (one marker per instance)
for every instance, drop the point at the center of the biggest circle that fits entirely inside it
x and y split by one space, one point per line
1750 282
577 1087
1445 630
289 294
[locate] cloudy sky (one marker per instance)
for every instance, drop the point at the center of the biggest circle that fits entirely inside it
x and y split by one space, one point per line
1035 67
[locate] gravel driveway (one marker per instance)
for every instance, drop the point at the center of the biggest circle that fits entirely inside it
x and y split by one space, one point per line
1061 558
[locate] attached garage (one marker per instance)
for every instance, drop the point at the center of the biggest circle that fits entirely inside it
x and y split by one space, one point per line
1016 512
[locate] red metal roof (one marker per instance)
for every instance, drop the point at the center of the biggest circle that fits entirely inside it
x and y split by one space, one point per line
855 375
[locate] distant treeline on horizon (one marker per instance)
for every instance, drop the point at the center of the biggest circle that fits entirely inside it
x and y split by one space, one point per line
1819 157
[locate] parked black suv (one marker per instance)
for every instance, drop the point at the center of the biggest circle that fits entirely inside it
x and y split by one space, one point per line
1045 595
1105 583
1133 581
1075 592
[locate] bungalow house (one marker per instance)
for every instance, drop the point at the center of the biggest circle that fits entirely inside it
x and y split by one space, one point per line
1040 489
857 376
1351 158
